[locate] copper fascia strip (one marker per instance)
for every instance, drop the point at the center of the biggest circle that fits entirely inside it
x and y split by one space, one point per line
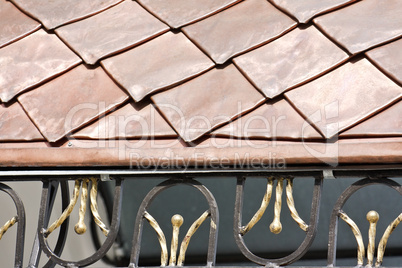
362 151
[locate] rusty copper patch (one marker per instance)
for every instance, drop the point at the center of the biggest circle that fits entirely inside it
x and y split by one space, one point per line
363 25
31 61
160 63
15 125
305 10
289 61
130 121
14 24
238 29
71 101
118 28
55 13
272 120
389 59
344 97
225 92
177 13
386 123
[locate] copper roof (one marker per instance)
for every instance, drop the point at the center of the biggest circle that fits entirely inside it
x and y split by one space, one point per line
200 82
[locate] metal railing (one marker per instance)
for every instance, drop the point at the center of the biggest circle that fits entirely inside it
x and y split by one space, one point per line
277 181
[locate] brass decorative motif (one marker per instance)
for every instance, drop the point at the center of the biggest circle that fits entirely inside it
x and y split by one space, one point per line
186 240
372 217
7 225
291 205
67 211
358 236
264 204
276 226
177 221
161 237
80 227
384 239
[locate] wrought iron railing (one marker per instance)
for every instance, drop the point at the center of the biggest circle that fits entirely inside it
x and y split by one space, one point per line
277 181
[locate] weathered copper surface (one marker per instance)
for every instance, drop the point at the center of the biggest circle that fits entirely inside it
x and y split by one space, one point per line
31 61
272 120
71 101
344 97
305 10
289 61
14 24
156 65
55 13
389 59
130 121
235 83
239 29
225 92
15 125
363 25
386 123
177 13
118 28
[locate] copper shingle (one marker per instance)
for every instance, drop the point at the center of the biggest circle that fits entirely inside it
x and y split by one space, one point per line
363 25
14 24
118 28
15 125
296 58
344 97
180 108
238 29
273 120
70 101
130 121
31 61
177 13
305 10
225 92
55 13
389 59
386 123
156 65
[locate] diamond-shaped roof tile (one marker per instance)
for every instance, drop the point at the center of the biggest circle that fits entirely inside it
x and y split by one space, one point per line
71 101
206 102
15 125
363 25
386 123
130 121
58 12
177 13
305 10
14 24
344 97
156 65
273 120
236 30
31 61
116 29
291 60
389 59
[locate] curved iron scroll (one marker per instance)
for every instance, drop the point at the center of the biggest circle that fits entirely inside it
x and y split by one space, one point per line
298 253
19 248
139 222
114 226
333 227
